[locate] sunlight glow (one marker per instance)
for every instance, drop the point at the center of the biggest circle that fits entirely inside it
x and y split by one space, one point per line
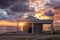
22 24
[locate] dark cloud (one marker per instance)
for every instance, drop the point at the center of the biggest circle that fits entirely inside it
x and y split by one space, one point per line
13 9
19 8
17 5
5 3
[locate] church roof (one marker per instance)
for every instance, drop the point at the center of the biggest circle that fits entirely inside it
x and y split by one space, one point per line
36 20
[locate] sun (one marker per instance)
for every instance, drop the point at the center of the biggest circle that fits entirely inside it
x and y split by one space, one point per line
21 24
